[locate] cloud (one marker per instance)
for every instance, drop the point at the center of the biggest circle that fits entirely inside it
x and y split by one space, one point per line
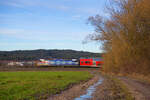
52 5
62 7
88 10
25 34
17 3
76 17
31 3
14 4
10 31
41 35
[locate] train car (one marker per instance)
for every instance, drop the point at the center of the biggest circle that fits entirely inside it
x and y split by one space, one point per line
91 62
58 62
62 62
86 62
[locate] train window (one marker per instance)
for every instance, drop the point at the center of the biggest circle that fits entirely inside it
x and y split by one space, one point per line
87 62
99 64
82 62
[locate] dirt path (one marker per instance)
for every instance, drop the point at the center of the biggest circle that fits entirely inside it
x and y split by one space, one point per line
75 91
101 92
140 91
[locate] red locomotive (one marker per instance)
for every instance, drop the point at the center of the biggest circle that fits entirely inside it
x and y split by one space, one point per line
95 62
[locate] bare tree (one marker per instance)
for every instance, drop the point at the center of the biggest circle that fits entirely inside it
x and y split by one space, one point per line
125 36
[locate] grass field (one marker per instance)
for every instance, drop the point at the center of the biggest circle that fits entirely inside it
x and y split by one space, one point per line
36 85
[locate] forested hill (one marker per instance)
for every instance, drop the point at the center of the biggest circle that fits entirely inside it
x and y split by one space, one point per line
41 53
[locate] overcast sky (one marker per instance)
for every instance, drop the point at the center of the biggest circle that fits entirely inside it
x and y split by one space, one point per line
48 24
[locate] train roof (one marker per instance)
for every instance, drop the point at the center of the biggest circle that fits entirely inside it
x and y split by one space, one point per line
94 58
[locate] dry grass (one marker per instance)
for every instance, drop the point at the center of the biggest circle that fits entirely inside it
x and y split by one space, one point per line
140 77
113 89
118 90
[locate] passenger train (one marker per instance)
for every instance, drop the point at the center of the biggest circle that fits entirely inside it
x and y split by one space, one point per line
89 62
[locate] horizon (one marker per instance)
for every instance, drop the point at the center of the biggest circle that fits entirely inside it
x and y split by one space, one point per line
28 25
48 49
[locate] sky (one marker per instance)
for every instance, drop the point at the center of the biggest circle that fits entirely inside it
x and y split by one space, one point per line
48 24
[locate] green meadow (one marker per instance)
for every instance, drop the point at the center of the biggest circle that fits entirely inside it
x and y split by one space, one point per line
37 85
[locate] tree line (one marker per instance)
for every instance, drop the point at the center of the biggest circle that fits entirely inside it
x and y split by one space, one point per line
28 55
125 35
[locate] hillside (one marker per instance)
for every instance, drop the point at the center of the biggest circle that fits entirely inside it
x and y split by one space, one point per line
41 53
